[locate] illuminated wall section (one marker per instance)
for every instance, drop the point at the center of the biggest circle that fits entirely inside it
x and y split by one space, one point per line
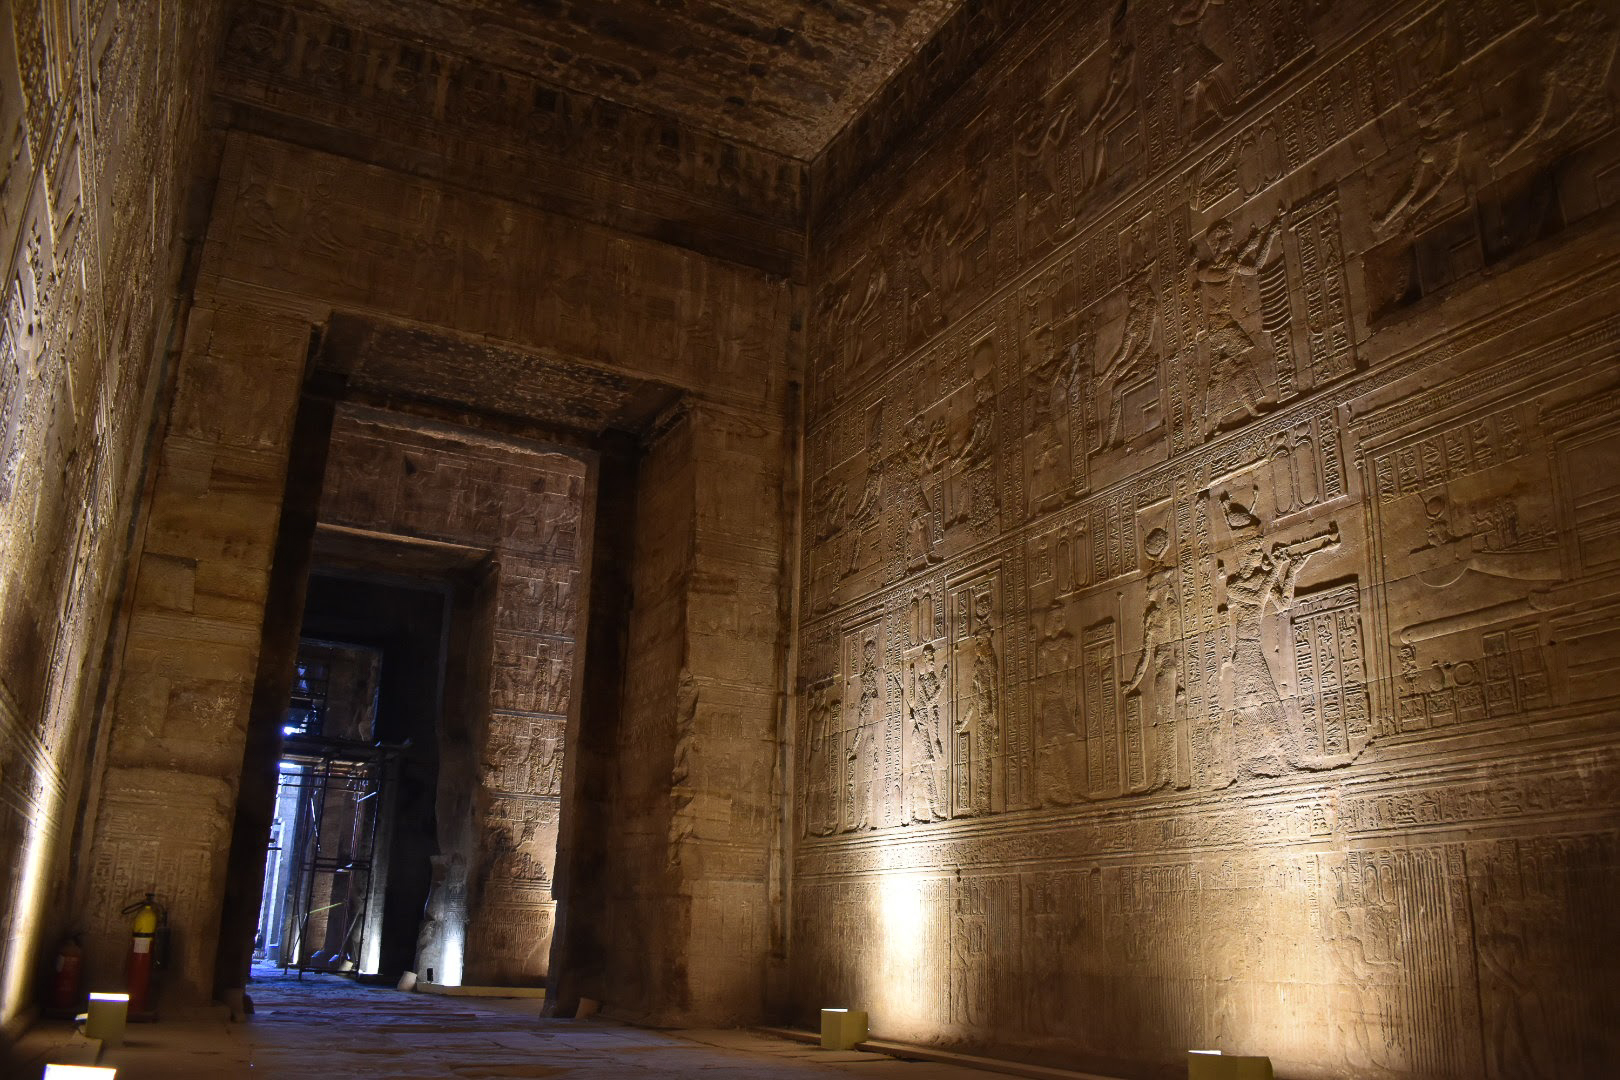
1211 577
98 117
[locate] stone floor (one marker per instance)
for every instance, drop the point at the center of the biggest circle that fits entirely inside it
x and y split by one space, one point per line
329 1027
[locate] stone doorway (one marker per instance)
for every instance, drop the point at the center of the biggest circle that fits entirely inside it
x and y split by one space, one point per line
326 870
406 621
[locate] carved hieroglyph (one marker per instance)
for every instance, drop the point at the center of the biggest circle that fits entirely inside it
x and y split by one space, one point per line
99 115
1273 707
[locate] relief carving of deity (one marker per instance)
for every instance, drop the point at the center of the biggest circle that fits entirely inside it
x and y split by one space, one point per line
821 780
864 786
927 689
1571 91
977 495
1156 682
1063 141
981 718
1134 363
1054 386
1260 726
1439 154
1224 274
923 456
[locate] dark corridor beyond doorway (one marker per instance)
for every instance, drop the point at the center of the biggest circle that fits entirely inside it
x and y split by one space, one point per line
408 625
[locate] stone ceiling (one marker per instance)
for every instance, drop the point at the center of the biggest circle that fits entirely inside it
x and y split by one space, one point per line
784 75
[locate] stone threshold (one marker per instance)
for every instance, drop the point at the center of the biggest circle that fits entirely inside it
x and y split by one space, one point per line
481 991
943 1057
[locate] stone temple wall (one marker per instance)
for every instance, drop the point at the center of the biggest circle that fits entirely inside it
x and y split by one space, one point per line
500 772
301 241
1210 594
99 110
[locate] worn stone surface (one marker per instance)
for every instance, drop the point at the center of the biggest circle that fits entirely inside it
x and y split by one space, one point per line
394 361
426 269
365 239
627 314
1209 548
298 234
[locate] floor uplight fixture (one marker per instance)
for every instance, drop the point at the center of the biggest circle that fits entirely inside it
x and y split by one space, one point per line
841 1029
106 1017
1214 1065
79 1072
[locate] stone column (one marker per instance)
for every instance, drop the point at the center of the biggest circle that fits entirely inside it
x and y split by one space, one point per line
684 915
278 653
179 705
724 782
640 911
580 943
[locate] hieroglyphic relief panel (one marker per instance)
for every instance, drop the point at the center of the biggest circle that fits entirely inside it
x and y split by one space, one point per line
924 676
1081 131
978 735
821 735
882 746
1394 930
100 109
542 595
870 795
526 506
532 674
856 319
1492 501
131 860
511 904
1107 721
951 245
1303 574
524 754
913 472
438 485
1525 891
1497 150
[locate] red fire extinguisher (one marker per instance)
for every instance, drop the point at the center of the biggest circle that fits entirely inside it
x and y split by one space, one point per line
69 968
149 923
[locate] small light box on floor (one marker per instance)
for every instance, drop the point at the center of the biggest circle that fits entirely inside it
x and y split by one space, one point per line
841 1029
105 1018
1214 1065
78 1072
